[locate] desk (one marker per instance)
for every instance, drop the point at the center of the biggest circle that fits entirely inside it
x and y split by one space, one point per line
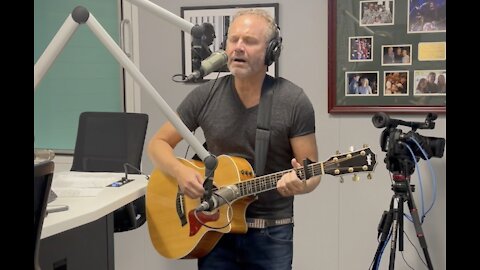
82 236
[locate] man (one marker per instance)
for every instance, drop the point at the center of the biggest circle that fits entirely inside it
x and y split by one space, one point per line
432 87
354 84
389 57
226 110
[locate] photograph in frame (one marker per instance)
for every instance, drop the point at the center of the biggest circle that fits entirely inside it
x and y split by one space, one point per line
396 83
396 55
220 17
427 16
375 13
360 49
361 83
430 82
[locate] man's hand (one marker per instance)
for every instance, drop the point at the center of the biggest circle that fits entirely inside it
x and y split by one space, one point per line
290 184
190 182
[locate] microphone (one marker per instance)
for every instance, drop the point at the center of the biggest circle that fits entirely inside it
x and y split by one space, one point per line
215 61
219 198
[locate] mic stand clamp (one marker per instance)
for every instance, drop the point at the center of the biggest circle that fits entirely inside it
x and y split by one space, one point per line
210 163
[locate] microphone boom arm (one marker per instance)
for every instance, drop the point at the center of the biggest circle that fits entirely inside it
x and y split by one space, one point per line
81 15
199 34
183 24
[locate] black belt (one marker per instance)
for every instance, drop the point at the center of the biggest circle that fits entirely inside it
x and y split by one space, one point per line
261 223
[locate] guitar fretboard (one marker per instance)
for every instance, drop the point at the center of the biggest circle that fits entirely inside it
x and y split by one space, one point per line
359 161
267 182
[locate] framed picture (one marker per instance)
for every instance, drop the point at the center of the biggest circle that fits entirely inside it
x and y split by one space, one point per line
358 84
396 55
369 40
372 13
220 17
395 83
427 16
430 82
360 49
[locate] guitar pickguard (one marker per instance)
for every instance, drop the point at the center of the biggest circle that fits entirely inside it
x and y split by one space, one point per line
203 218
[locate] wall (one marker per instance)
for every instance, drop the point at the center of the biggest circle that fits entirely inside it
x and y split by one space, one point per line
336 225
84 76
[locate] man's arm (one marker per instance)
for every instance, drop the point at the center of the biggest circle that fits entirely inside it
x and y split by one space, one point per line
160 151
303 147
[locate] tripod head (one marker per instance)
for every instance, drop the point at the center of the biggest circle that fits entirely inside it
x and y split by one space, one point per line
404 149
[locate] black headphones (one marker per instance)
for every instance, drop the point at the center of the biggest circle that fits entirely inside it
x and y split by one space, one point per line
274 48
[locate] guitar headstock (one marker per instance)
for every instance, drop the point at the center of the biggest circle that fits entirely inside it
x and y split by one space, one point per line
362 160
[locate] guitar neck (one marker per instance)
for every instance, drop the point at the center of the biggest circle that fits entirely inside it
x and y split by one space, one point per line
268 182
362 160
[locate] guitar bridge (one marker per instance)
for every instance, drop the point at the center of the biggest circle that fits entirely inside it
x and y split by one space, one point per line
180 205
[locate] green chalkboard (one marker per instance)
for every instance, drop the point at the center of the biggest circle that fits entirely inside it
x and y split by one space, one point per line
84 77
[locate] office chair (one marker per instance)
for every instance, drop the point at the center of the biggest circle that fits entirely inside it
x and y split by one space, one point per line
105 142
42 182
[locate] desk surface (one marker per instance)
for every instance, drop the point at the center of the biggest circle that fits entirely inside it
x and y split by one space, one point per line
83 210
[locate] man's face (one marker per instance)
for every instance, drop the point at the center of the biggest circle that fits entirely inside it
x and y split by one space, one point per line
246 45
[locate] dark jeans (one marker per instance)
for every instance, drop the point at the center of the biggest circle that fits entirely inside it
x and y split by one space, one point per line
259 249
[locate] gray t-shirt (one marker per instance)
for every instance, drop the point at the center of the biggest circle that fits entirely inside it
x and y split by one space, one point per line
230 129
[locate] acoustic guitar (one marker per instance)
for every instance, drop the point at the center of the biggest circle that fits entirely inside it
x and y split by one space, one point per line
178 231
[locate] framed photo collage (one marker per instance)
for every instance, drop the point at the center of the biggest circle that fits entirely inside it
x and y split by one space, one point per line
387 55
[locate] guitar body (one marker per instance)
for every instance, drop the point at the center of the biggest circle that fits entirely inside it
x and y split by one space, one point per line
178 231
175 231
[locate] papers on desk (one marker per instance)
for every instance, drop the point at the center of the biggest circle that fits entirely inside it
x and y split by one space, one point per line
82 184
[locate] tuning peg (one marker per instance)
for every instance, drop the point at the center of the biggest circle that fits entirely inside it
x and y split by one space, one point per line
355 177
369 176
351 148
365 145
341 179
337 152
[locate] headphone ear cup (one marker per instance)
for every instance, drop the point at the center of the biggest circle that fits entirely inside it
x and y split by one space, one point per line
273 51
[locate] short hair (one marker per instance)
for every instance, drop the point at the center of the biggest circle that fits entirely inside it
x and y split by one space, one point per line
272 26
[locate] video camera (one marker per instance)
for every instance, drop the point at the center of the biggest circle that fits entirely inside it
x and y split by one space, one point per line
396 143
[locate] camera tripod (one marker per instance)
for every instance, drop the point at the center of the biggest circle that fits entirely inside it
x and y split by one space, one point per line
391 222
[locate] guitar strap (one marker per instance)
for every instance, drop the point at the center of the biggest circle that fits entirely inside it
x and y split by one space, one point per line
262 135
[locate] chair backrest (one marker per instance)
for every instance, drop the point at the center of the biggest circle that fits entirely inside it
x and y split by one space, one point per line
42 182
105 142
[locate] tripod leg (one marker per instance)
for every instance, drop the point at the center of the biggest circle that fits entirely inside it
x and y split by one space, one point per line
418 228
383 232
400 223
395 230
